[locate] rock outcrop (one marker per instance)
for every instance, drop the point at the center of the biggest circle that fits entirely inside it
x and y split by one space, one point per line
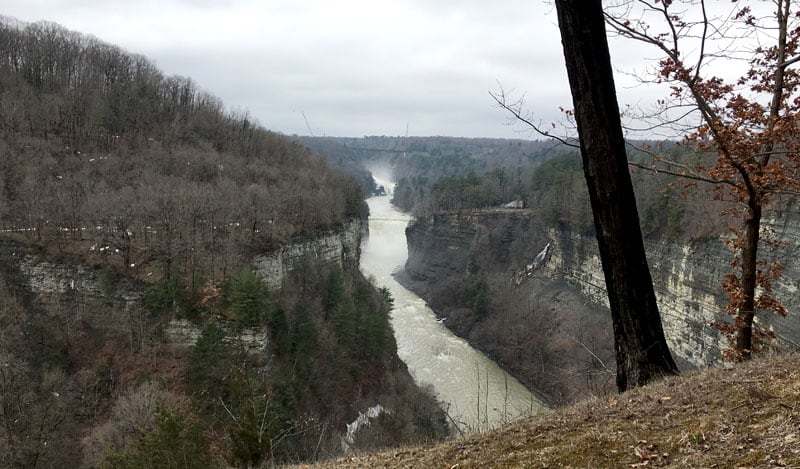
105 299
339 247
97 296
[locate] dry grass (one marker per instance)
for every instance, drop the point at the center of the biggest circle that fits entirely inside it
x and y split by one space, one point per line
745 416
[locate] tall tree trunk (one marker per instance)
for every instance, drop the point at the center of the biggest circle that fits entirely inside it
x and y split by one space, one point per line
747 310
642 353
744 318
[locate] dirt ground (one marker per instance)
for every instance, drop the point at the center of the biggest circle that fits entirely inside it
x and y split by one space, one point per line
746 415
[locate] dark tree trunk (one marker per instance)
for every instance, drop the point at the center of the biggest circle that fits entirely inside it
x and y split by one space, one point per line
746 313
641 350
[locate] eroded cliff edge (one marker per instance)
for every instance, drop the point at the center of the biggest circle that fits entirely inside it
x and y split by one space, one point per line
562 304
104 298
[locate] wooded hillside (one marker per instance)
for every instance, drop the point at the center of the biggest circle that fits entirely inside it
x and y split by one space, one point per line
99 146
130 199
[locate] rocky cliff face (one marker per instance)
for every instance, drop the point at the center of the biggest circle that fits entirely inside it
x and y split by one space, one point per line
686 276
453 244
106 300
342 247
93 295
686 279
339 247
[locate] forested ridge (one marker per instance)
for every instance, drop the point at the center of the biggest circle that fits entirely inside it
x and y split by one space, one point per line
147 191
99 145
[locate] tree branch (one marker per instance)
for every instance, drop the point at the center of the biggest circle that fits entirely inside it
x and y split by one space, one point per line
602 363
703 37
693 176
515 110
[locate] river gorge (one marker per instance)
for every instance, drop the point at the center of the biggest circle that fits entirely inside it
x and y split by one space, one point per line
476 393
560 309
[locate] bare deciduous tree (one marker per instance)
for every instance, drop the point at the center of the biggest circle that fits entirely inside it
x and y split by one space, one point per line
733 93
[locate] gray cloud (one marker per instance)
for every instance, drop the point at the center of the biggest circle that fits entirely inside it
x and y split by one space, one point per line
354 67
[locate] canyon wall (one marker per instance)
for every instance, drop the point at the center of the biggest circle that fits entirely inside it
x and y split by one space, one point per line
686 277
540 328
340 247
93 295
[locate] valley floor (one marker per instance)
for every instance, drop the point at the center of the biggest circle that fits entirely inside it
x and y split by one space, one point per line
743 416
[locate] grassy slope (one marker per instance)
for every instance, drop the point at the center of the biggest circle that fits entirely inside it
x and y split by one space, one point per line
745 416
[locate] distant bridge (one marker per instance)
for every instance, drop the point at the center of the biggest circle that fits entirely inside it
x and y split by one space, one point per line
383 150
388 219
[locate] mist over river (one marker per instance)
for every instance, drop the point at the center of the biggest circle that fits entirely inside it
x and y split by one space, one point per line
476 393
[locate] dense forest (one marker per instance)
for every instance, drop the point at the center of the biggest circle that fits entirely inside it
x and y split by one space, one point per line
550 184
159 197
343 158
452 164
455 174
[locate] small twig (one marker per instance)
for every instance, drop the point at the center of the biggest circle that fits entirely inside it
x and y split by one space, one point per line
744 404
602 363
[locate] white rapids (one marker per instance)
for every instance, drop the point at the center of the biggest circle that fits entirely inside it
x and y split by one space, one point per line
476 393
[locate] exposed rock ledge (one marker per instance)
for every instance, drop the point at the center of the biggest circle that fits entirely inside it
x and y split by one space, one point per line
81 291
342 247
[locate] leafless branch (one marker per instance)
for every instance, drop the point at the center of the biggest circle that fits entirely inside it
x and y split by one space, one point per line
685 175
665 122
790 62
702 54
602 363
515 109
228 411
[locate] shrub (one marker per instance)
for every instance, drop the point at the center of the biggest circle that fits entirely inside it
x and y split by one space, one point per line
248 299
177 441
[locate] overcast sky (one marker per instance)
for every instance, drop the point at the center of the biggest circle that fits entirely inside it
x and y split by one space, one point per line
353 67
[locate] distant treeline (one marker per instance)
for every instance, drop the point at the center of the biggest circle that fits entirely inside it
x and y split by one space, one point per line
552 185
466 172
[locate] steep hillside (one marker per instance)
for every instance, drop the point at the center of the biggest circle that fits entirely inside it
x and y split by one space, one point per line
99 147
178 285
744 416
